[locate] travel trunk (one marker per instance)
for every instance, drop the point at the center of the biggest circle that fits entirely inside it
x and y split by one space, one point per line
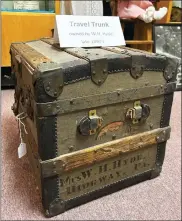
97 119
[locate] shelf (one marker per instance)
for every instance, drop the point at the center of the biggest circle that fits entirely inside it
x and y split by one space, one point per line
175 23
135 42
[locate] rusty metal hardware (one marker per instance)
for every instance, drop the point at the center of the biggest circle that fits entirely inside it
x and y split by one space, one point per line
53 83
171 68
137 71
99 70
98 63
17 95
138 112
89 124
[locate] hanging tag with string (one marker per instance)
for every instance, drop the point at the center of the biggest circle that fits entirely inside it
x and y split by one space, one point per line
22 150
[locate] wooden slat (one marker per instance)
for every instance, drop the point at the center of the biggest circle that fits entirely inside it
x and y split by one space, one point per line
33 57
89 156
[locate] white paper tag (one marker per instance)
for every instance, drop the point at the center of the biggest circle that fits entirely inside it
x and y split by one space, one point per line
22 150
88 31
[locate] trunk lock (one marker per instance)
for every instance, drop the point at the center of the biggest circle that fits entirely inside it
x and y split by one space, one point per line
138 112
89 125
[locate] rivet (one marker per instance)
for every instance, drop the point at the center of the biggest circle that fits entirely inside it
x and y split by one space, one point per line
61 203
151 126
71 148
104 71
93 72
71 102
164 132
57 106
99 81
63 165
158 138
54 163
47 213
60 86
147 83
113 136
47 88
55 93
162 139
55 171
161 86
118 93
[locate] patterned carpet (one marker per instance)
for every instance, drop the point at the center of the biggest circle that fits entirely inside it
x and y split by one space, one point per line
157 199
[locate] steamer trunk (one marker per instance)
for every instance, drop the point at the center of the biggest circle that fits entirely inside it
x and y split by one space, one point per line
97 119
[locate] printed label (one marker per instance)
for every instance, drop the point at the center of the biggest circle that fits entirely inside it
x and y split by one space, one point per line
82 181
88 31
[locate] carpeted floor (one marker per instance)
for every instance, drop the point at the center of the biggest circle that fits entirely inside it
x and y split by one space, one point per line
158 199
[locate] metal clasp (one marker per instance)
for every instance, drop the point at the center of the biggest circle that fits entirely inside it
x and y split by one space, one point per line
89 124
95 122
135 113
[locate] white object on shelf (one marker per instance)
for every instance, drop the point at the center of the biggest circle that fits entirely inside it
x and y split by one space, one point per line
88 7
6 4
26 5
177 3
18 5
31 5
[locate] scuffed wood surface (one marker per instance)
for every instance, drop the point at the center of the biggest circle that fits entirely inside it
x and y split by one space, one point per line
86 157
33 57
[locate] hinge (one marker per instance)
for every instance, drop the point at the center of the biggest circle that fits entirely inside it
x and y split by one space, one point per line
137 71
139 63
99 70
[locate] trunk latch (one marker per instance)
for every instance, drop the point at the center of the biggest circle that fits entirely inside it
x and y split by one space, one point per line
138 112
89 124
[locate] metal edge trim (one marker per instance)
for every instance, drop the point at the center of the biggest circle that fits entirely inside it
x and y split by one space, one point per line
161 147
